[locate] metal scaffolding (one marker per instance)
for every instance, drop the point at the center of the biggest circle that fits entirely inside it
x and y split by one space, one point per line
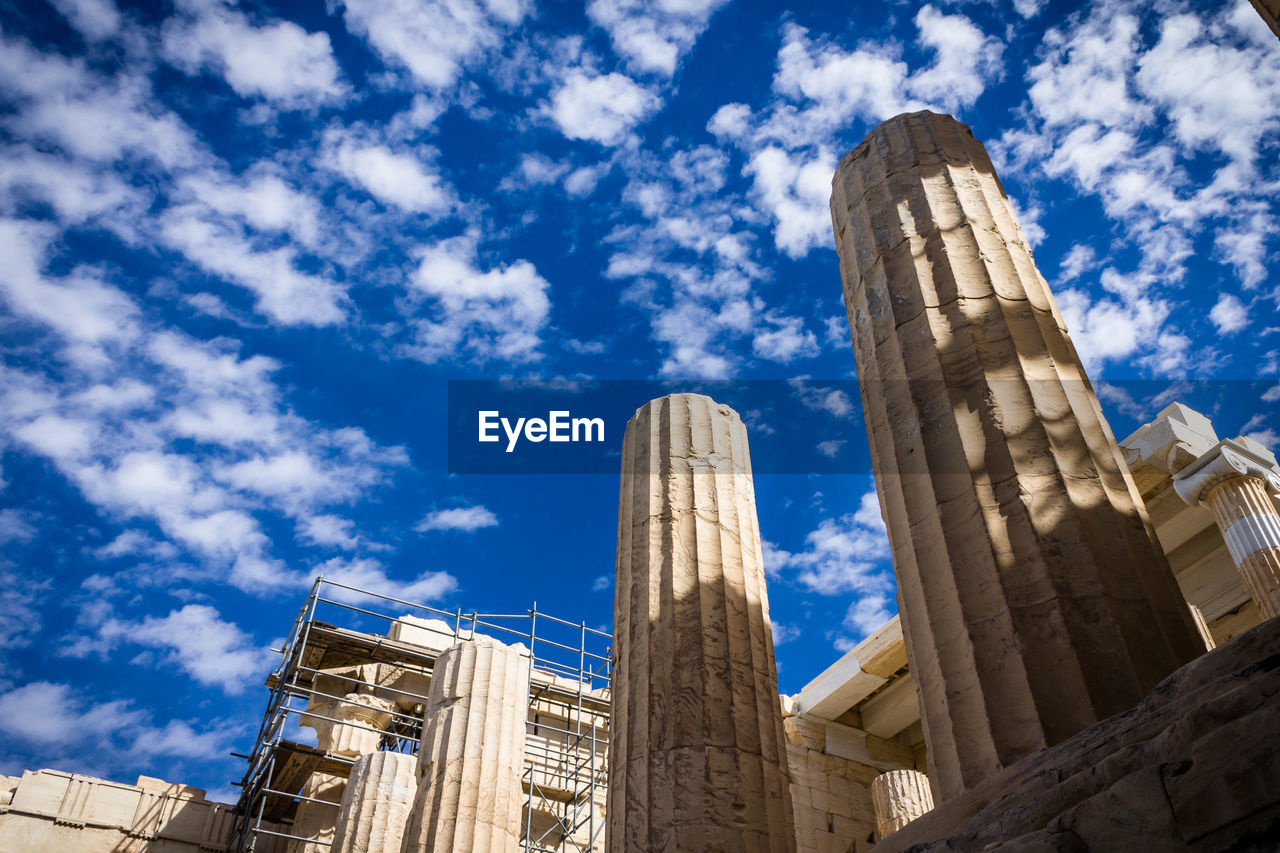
341 629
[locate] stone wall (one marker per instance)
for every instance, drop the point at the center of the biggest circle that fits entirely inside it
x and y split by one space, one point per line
832 766
69 813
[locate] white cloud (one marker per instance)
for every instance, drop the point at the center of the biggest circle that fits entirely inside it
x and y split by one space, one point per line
279 61
581 182
652 37
21 596
90 315
841 555
966 60
1079 259
95 19
46 713
1085 78
282 291
122 433
1229 314
497 313
538 169
434 39
262 198
1029 8
602 583
833 401
1260 429
369 575
208 648
602 108
393 177
796 191
1215 95
823 88
1129 118
731 121
328 530
134 544
783 633
56 98
867 614
831 449
835 86
1243 244
56 719
466 519
15 527
1106 329
784 339
76 192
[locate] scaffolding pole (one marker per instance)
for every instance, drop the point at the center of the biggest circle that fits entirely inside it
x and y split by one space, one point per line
340 627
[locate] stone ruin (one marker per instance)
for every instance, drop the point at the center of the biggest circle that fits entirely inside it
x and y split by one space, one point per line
1045 687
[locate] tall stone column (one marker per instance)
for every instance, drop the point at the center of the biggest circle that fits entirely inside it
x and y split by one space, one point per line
471 760
1233 482
697 756
899 797
1034 600
375 806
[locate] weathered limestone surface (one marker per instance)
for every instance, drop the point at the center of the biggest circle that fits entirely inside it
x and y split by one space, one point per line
899 797
375 805
697 759
472 753
349 711
1194 767
832 766
317 821
1033 599
49 810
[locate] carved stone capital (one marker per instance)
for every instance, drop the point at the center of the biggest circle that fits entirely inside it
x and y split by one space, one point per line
1227 460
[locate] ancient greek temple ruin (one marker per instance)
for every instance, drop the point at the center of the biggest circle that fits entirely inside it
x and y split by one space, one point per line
1085 657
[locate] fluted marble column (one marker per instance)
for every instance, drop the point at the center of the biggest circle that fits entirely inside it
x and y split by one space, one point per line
1034 599
375 806
1235 482
472 755
697 759
899 797
1249 522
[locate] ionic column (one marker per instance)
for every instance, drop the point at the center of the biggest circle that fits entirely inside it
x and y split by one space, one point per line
349 726
355 723
472 755
899 797
697 759
1234 483
375 806
1034 599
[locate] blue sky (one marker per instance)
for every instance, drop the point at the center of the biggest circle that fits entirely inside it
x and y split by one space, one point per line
245 247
